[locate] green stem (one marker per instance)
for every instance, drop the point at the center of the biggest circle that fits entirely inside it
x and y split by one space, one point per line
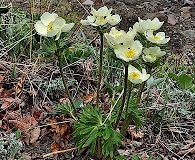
149 69
123 100
128 117
140 92
59 55
97 155
100 67
126 124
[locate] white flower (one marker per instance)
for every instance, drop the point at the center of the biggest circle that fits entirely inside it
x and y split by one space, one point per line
52 25
152 53
101 17
135 76
129 52
115 38
159 38
88 21
146 25
101 12
114 19
44 26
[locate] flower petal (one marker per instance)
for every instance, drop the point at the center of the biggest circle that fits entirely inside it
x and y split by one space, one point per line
41 28
67 27
46 18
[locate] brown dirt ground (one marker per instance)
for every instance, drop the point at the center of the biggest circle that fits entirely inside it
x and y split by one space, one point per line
164 143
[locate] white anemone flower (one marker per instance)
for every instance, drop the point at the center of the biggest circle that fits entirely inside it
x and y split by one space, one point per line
88 21
152 53
44 26
159 38
101 17
52 25
135 76
114 19
129 52
101 12
146 25
115 38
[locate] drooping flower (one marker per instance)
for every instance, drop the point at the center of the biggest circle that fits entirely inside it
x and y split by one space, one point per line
152 53
135 76
129 52
159 38
101 17
146 25
52 25
115 38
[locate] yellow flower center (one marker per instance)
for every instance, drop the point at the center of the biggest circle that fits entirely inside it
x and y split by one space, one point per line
102 21
49 27
130 53
134 75
156 38
118 35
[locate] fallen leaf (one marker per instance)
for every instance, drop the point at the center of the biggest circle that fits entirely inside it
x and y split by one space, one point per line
34 134
19 85
7 102
54 147
89 98
189 34
38 114
185 12
135 134
172 19
25 124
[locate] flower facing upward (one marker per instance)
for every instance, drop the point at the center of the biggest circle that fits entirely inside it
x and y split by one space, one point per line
159 38
152 53
51 25
146 25
115 38
101 17
129 52
135 76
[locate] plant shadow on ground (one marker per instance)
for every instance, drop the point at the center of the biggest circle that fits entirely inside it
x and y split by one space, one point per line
169 126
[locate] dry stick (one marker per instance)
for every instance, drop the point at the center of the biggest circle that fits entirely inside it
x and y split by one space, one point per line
57 152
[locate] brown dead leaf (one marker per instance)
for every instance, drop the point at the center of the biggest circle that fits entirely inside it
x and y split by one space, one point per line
19 85
89 98
55 147
47 107
185 12
172 19
34 134
7 102
135 134
38 114
25 124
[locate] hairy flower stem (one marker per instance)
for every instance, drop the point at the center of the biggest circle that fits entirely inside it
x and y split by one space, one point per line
149 69
128 116
124 96
140 92
100 67
59 55
98 153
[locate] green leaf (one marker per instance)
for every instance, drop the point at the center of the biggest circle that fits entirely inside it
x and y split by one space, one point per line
92 136
18 134
185 81
173 76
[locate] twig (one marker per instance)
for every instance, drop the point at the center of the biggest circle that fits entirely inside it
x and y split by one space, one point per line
57 152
